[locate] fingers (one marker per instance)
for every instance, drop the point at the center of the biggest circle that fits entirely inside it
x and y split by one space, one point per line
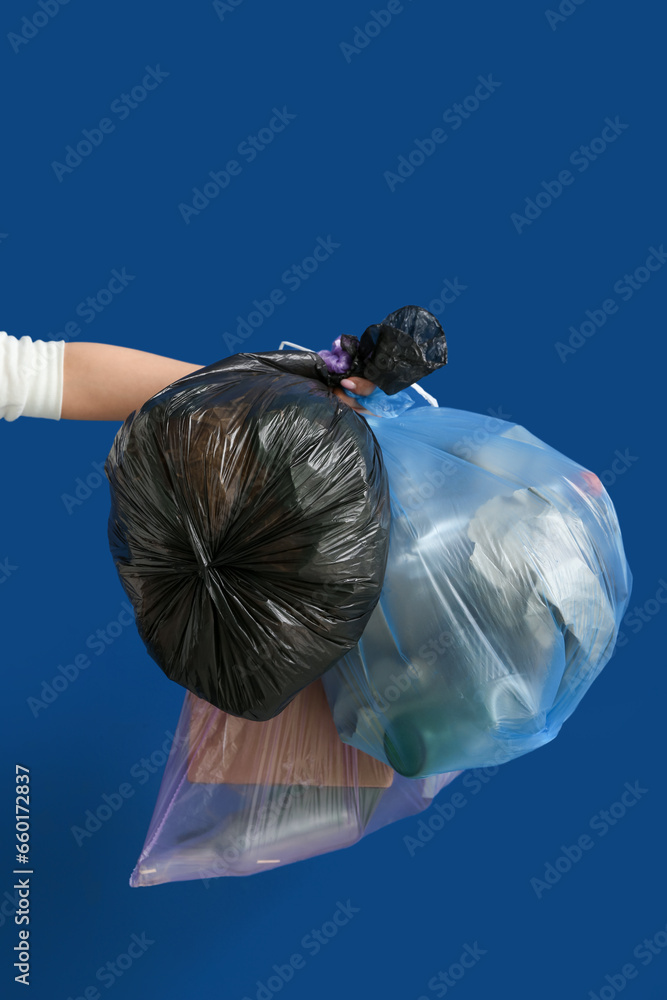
362 386
350 402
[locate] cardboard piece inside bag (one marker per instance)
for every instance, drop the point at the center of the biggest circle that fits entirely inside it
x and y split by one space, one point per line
299 746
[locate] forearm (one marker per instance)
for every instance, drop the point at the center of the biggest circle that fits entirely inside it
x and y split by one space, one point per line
72 381
105 382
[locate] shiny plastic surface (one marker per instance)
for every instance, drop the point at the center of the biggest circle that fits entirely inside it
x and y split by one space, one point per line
504 590
240 797
249 527
405 347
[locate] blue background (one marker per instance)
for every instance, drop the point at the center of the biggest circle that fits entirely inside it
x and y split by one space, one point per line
450 219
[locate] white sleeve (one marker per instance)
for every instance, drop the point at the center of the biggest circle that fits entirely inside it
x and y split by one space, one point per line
31 377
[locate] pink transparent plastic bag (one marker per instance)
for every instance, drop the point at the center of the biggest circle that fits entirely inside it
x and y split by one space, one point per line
240 797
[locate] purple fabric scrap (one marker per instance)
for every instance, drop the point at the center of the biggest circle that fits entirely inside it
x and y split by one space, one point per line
337 360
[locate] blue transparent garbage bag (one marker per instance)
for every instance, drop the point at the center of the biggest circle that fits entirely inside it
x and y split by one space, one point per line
505 587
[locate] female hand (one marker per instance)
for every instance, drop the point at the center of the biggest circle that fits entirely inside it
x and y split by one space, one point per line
361 386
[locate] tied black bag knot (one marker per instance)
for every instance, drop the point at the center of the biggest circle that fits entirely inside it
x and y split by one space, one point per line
408 345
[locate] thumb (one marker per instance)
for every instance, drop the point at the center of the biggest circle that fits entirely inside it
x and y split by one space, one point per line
362 386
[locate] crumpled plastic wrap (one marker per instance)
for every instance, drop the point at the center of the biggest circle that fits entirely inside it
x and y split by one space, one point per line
249 527
504 590
240 797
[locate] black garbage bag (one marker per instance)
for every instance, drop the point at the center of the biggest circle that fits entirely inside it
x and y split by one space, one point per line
249 527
